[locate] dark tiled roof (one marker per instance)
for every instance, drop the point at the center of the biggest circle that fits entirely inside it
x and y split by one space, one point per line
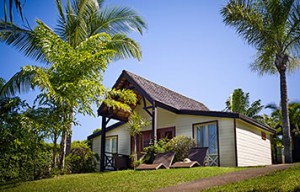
167 96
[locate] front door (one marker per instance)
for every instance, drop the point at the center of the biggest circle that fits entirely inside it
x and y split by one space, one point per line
145 139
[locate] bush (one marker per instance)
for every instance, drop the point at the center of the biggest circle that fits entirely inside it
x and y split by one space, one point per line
81 159
181 146
152 150
23 164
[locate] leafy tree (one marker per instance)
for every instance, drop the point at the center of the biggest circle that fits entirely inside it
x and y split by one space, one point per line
24 155
73 80
79 21
239 102
135 125
272 27
48 115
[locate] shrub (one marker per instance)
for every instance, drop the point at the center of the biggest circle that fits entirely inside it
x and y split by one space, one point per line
181 146
152 150
25 163
81 159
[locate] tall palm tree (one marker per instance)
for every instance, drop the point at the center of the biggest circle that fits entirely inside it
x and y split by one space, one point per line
272 27
239 102
79 21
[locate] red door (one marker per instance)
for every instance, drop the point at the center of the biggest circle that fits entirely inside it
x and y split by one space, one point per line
145 139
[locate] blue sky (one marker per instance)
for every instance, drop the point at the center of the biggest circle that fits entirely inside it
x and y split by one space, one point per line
187 48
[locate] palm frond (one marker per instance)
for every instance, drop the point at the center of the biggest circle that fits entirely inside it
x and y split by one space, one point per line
61 25
272 106
264 62
272 27
2 82
118 20
18 7
21 38
125 47
27 79
249 21
254 109
83 9
19 83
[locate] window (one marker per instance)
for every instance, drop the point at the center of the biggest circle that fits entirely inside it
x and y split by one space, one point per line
111 144
207 136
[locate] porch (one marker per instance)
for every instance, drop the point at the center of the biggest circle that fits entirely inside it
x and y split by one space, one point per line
115 161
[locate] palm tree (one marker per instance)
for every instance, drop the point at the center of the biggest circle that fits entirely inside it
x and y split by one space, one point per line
294 116
272 27
239 102
79 21
73 81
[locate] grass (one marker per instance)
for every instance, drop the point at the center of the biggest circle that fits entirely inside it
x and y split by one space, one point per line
128 180
287 180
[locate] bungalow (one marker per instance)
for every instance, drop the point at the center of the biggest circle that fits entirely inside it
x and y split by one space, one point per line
233 139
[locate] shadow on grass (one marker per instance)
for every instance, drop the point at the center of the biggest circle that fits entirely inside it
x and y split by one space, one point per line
9 185
297 189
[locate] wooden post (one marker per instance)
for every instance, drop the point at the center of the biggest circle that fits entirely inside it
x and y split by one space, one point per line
102 152
154 122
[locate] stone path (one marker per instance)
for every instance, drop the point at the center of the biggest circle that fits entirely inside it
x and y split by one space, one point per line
227 178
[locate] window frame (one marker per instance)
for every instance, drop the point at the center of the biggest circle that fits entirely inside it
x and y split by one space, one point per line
110 138
206 123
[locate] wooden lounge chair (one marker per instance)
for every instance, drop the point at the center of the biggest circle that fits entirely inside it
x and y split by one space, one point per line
196 156
162 160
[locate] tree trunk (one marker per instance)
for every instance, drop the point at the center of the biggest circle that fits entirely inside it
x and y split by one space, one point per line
63 150
134 151
281 64
66 137
69 136
287 140
54 164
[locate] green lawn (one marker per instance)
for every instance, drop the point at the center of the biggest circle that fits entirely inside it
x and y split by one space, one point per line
128 180
287 180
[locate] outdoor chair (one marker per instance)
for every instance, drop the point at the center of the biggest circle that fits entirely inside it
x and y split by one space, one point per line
161 160
197 157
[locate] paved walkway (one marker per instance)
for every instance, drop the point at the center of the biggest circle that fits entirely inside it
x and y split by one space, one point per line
225 179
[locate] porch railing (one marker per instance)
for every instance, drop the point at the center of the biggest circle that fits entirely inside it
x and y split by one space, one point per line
116 161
